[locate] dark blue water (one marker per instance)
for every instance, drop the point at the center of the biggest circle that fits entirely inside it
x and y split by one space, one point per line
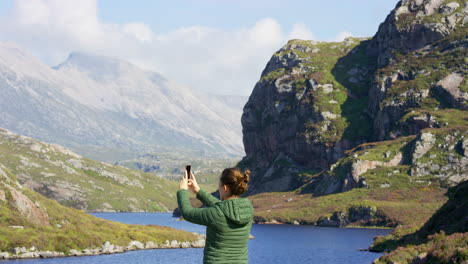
272 244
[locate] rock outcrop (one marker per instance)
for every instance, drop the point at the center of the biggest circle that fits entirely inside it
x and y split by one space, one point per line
441 154
316 101
306 110
31 211
413 24
421 49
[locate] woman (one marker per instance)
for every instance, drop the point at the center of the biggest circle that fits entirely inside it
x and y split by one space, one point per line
228 221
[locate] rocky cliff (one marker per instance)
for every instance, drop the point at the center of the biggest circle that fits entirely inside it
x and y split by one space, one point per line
316 101
306 110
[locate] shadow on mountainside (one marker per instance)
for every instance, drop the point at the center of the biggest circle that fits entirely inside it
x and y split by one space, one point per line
355 71
452 217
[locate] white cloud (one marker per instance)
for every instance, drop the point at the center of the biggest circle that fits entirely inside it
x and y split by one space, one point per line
138 30
342 35
300 31
210 59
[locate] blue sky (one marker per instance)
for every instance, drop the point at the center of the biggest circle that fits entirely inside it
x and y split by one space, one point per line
325 18
216 46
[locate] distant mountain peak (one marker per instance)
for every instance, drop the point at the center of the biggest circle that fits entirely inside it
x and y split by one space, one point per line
98 100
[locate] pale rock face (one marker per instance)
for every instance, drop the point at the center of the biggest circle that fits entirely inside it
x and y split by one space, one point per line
391 36
449 88
449 8
136 245
28 209
361 166
432 6
422 146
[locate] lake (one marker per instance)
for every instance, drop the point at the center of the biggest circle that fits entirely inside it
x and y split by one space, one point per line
272 244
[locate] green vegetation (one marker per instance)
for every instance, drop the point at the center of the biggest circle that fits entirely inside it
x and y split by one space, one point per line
342 72
423 70
442 239
442 117
68 228
400 182
83 183
399 198
393 206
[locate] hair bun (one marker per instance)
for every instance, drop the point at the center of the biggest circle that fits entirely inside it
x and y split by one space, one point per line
247 176
236 180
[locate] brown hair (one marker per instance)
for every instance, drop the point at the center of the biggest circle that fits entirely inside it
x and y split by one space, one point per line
236 180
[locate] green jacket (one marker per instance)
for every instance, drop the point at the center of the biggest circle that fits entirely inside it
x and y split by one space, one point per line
228 225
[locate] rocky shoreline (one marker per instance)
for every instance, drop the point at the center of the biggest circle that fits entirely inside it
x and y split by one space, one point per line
106 248
322 222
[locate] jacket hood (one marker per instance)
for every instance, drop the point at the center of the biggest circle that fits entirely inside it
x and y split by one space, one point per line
238 211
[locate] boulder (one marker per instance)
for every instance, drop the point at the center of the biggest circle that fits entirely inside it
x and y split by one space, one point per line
4 255
337 219
449 8
423 145
199 243
135 245
185 244
75 252
449 89
150 244
28 255
47 254
19 250
174 244
107 247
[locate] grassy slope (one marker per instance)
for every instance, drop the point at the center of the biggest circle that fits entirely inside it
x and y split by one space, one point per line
397 197
70 228
443 239
84 183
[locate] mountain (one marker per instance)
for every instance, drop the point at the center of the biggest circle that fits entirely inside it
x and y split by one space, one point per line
363 132
82 183
110 109
170 166
32 226
315 101
305 111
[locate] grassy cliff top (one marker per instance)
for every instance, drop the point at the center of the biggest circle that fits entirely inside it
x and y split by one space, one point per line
341 72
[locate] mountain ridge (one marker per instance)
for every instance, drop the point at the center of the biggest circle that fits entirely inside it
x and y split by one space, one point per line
130 110
75 181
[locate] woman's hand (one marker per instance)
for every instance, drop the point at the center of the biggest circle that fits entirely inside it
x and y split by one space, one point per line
184 182
192 183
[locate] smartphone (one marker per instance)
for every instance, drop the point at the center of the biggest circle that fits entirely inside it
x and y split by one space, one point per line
188 168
